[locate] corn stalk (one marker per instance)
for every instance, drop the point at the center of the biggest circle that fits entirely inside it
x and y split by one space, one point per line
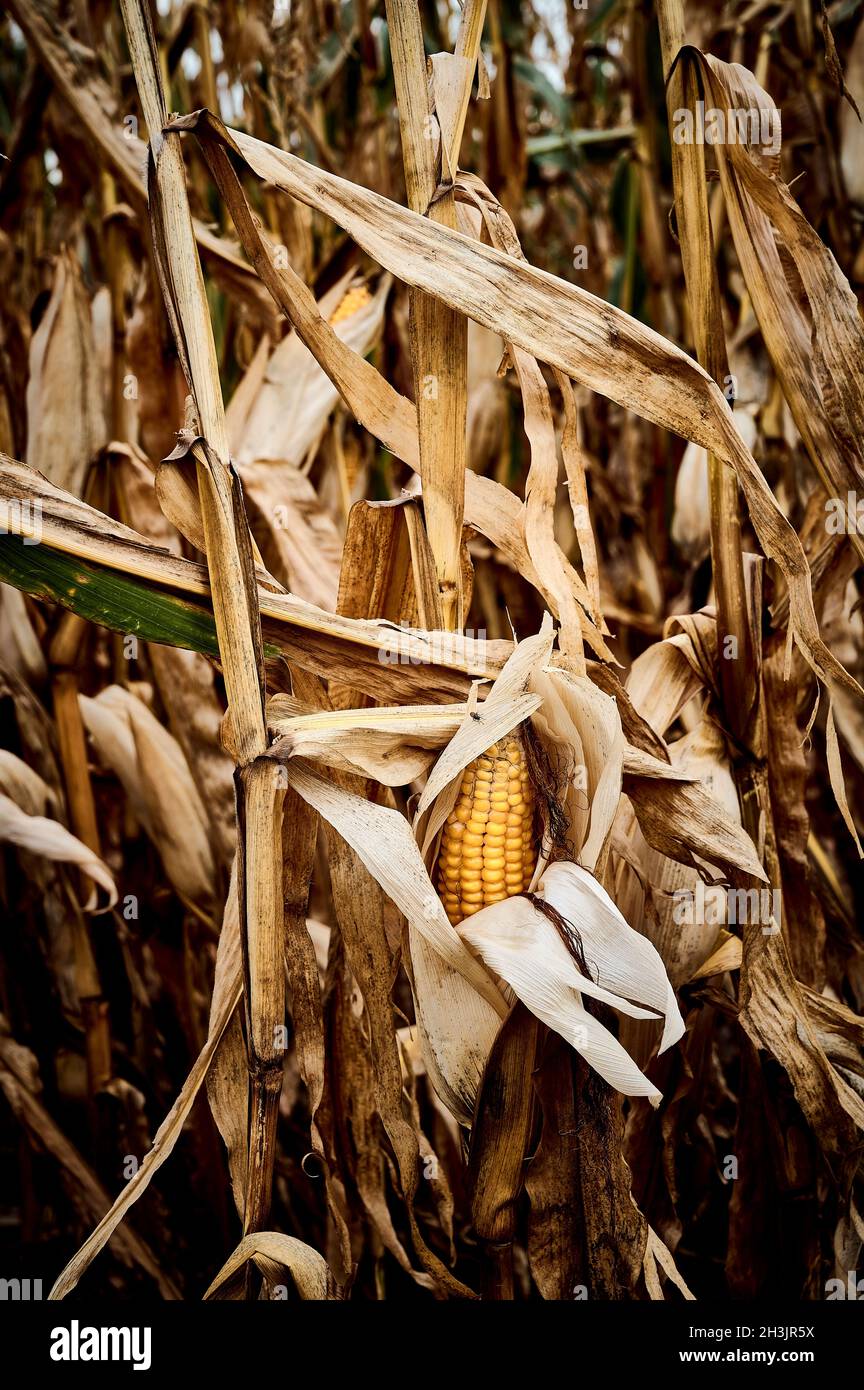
238 623
439 333
697 253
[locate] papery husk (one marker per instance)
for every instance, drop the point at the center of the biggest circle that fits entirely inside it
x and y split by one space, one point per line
691 530
580 729
505 707
25 786
394 744
456 1050
449 984
18 639
66 425
521 944
440 996
295 398
585 786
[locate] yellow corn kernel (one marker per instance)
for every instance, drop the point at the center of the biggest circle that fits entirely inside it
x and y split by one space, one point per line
351 301
488 848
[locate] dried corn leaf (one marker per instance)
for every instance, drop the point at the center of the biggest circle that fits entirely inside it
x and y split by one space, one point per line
489 507
817 347
558 323
395 745
273 1251
166 600
155 775
65 423
25 787
49 840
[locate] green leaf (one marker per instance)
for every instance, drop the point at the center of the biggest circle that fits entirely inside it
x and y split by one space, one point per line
544 92
108 597
540 146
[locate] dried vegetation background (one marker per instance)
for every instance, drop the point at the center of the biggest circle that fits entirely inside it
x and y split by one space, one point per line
221 950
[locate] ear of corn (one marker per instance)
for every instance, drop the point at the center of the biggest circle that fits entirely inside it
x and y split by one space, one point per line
488 849
352 300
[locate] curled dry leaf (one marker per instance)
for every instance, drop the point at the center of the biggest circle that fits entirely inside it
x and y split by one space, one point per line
47 838
272 1251
394 744
816 342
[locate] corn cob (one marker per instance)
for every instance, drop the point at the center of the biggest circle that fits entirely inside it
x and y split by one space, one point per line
488 849
352 300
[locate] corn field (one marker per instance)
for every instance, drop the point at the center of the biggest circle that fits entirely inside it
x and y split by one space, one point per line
431 650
